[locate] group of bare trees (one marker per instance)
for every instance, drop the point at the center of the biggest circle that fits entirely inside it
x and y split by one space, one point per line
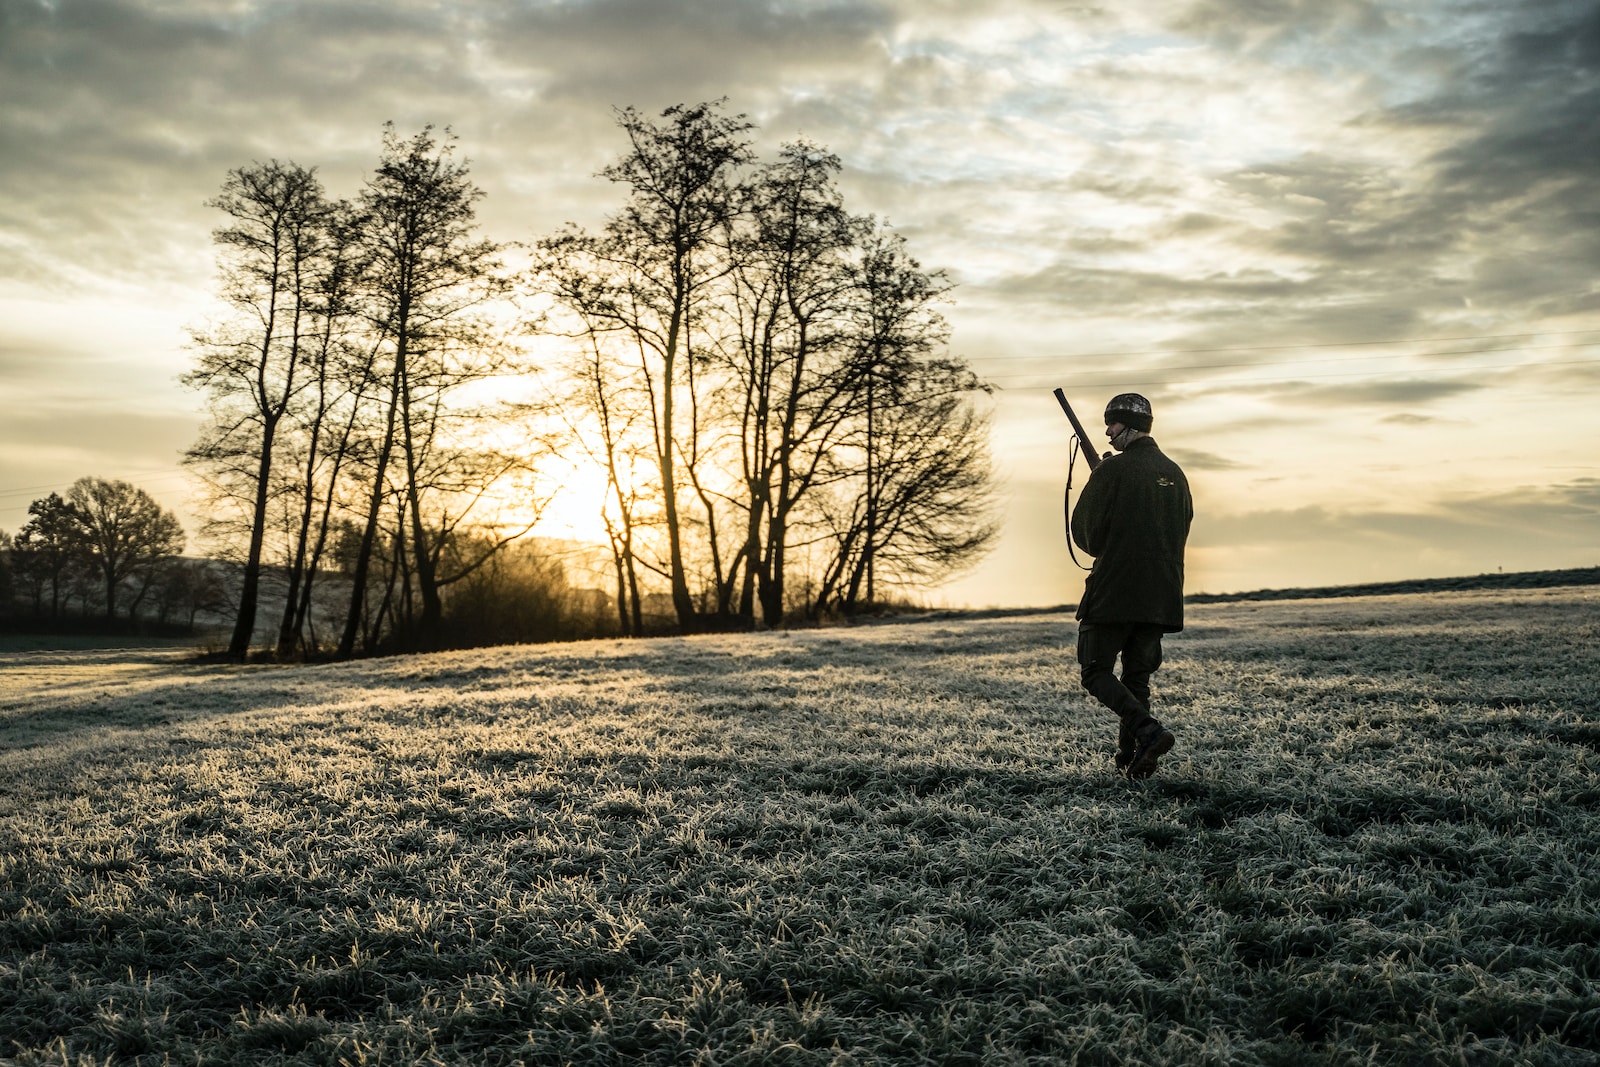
755 373
333 442
761 382
106 549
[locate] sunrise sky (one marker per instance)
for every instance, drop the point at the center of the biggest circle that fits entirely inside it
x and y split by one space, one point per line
1349 249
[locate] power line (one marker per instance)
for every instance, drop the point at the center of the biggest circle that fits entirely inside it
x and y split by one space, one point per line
1037 382
1295 347
1346 359
135 477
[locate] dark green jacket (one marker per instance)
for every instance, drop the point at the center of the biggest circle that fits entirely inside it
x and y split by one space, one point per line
1134 518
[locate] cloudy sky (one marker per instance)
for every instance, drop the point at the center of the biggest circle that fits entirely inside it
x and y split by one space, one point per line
1349 249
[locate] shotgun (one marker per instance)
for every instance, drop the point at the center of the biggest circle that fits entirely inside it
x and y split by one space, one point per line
1085 444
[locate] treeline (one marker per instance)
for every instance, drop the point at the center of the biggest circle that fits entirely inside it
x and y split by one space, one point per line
757 377
1498 580
104 557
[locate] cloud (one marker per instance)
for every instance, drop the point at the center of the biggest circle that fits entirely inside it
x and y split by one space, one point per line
1570 507
1409 391
1275 25
120 119
1514 183
653 54
1526 521
1441 181
97 434
1533 102
1195 459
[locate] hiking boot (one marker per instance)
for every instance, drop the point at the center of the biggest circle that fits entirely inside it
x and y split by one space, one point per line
1126 743
1154 741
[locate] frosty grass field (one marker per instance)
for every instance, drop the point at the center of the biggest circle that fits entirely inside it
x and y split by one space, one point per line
1378 840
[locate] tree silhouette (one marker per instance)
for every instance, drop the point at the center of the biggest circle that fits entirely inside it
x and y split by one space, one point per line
339 359
48 548
797 378
123 531
252 368
650 274
925 482
428 270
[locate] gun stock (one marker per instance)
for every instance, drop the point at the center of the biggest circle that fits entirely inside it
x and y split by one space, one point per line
1085 444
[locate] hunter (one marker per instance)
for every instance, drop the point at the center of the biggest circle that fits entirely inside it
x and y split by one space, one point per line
1134 518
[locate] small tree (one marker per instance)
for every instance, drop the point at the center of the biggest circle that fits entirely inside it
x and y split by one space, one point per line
324 426
188 588
898 330
124 531
600 410
48 550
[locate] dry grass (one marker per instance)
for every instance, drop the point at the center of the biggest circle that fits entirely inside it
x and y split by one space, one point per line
1377 841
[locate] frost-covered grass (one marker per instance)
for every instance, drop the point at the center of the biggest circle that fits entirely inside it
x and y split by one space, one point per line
1377 841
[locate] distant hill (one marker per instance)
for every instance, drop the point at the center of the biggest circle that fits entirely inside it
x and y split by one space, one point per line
1516 580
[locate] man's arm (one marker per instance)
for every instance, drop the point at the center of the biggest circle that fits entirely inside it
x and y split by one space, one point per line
1089 518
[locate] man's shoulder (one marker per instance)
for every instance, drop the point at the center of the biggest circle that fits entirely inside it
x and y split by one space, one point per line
1168 462
1147 456
1143 455
1145 450
1150 449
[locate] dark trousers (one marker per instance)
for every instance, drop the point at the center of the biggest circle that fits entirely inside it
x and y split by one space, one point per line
1139 645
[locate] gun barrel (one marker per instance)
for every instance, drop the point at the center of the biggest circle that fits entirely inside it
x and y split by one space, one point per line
1085 444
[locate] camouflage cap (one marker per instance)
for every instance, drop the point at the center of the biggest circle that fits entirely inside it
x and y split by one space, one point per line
1130 409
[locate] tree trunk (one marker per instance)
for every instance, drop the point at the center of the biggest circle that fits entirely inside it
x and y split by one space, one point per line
358 580
244 625
681 601
431 625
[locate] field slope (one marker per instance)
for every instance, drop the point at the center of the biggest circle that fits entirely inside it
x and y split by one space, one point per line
1378 840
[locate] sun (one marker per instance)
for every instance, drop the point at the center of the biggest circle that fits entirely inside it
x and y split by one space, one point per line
576 507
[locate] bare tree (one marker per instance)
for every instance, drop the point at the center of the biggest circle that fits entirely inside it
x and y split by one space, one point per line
187 588
648 277
798 378
898 329
924 513
429 270
124 530
338 363
612 429
604 409
251 368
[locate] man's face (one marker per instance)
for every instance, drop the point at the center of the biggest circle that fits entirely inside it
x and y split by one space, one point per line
1112 429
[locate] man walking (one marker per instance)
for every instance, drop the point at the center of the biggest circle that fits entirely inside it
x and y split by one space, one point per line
1134 518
